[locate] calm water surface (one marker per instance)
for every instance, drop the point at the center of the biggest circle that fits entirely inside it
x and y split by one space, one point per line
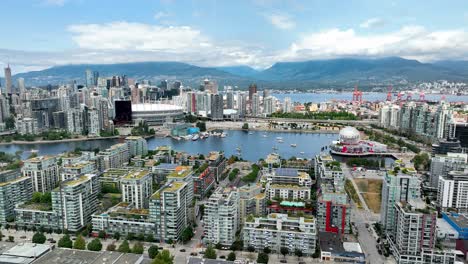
252 147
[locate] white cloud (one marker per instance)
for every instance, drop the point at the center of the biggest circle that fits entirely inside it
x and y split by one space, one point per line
372 23
160 15
280 21
136 36
409 42
132 42
55 2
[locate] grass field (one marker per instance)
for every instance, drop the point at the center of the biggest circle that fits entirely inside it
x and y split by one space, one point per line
371 191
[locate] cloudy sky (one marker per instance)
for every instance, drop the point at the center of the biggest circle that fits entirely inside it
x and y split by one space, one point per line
36 34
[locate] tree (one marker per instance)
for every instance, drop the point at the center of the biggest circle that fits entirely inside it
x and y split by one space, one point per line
153 251
218 246
95 245
39 238
124 247
251 248
187 234
11 239
245 126
149 238
111 247
138 248
80 243
210 253
102 234
231 256
262 258
201 126
284 251
237 245
116 235
1 236
65 242
298 252
267 250
164 257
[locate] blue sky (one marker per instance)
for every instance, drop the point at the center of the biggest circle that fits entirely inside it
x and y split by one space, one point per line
41 33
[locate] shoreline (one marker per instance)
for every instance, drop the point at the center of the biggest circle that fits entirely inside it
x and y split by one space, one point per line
277 130
16 142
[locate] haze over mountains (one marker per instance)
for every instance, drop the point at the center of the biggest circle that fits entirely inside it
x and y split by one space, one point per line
332 73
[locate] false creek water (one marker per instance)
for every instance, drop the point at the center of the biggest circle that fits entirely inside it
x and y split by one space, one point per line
253 147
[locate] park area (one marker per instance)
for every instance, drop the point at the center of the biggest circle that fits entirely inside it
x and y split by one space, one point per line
371 191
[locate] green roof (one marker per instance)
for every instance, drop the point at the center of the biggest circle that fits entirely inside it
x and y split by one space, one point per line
181 172
136 174
75 181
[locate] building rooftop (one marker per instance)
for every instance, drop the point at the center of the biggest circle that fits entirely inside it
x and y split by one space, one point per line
136 174
27 250
72 256
13 181
213 155
181 172
171 187
40 158
288 186
126 210
286 172
167 166
460 220
149 107
76 181
115 173
79 165
36 206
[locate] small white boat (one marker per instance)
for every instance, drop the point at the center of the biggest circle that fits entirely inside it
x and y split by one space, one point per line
293 145
195 137
223 135
279 138
280 141
264 135
250 133
302 152
34 151
274 148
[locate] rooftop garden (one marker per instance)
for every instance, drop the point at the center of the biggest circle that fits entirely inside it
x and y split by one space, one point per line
181 172
252 176
39 201
333 165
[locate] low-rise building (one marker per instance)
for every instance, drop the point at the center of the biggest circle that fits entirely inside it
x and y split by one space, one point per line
453 191
332 248
278 230
288 192
110 178
217 163
34 215
124 219
203 182
161 171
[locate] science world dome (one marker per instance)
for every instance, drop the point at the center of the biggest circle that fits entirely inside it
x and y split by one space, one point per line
349 135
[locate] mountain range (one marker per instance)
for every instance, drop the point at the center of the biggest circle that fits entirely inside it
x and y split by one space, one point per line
332 73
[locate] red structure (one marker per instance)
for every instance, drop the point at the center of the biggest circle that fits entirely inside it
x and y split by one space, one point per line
357 95
422 97
389 94
399 96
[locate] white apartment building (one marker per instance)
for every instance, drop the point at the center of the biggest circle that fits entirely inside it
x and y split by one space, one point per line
137 187
43 171
278 230
453 191
221 218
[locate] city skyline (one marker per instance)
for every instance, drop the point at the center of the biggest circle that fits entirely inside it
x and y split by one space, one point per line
257 33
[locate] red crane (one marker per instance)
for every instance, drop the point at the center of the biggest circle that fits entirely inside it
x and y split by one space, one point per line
422 97
357 95
389 94
399 96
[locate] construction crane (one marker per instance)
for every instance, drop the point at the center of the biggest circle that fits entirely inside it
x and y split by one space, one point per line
422 97
389 94
357 95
